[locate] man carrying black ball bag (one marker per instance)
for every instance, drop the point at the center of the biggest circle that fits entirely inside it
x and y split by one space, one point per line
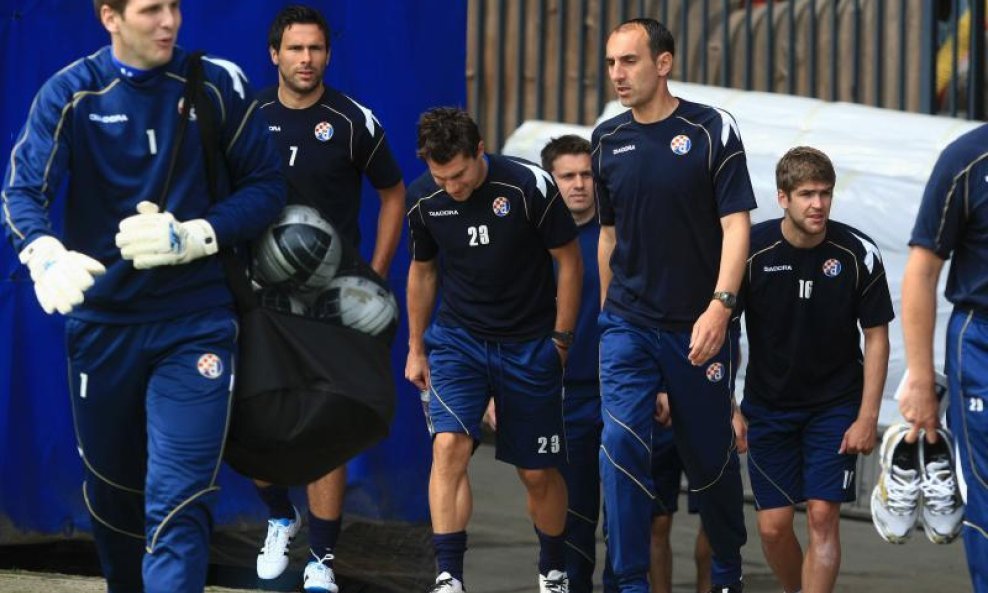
309 393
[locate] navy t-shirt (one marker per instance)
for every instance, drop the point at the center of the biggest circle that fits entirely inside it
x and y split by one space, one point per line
495 269
802 309
325 148
665 186
953 218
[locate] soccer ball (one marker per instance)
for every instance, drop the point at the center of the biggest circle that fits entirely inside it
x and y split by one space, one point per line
280 299
358 303
301 250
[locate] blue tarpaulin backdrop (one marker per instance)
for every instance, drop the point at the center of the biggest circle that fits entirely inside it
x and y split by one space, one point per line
395 56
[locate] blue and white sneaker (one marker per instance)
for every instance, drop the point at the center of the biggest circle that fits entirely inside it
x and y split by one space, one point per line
318 576
554 582
273 559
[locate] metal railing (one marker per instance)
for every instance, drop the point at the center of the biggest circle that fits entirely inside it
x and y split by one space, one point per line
544 59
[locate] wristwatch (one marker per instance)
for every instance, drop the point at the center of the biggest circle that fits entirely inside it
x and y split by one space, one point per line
563 339
728 299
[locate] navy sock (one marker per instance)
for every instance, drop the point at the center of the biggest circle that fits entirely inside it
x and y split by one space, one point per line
450 548
279 505
323 534
552 552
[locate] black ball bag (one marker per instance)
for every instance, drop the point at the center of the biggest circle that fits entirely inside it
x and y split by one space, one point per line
309 396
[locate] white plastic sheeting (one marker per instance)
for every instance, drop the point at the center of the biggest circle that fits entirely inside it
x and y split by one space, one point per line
882 157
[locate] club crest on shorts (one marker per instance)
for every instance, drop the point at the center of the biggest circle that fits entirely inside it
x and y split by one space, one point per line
715 372
501 206
210 366
832 267
681 144
323 131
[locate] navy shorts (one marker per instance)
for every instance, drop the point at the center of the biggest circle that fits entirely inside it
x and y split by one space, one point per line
524 378
667 474
792 455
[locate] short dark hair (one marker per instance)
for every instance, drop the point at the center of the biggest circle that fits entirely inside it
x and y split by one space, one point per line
803 164
660 40
444 133
117 6
557 147
296 14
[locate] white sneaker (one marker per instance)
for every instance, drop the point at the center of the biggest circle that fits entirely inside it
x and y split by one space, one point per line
445 583
273 559
943 509
318 577
896 497
554 582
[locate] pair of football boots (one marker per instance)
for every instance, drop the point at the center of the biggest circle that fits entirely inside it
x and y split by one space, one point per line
917 480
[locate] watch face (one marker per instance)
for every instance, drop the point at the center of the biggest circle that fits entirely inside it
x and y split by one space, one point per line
565 338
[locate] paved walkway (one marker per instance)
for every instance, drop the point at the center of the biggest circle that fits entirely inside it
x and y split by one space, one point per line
502 555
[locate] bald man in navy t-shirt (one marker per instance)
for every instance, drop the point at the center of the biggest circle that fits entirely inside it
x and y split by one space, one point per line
674 195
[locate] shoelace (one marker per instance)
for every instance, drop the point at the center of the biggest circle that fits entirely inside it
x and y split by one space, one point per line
324 559
902 488
277 536
939 487
558 586
443 586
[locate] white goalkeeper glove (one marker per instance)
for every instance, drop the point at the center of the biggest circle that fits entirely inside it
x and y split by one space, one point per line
151 238
60 276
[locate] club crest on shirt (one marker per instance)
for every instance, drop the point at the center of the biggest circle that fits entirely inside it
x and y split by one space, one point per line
210 366
192 112
324 131
715 372
681 144
501 206
832 267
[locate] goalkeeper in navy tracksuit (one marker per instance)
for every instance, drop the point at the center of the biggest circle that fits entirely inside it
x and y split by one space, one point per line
151 332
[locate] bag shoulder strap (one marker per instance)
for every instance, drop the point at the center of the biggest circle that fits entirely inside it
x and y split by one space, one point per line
196 96
193 81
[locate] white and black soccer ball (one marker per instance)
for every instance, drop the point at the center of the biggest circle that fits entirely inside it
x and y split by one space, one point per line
358 303
279 299
301 250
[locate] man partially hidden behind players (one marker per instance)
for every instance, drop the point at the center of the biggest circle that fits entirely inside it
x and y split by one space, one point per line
568 159
488 228
151 342
811 399
328 142
674 194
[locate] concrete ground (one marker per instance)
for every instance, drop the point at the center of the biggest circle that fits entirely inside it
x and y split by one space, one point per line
502 554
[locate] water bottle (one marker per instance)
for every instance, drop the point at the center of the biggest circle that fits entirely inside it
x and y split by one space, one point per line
424 396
